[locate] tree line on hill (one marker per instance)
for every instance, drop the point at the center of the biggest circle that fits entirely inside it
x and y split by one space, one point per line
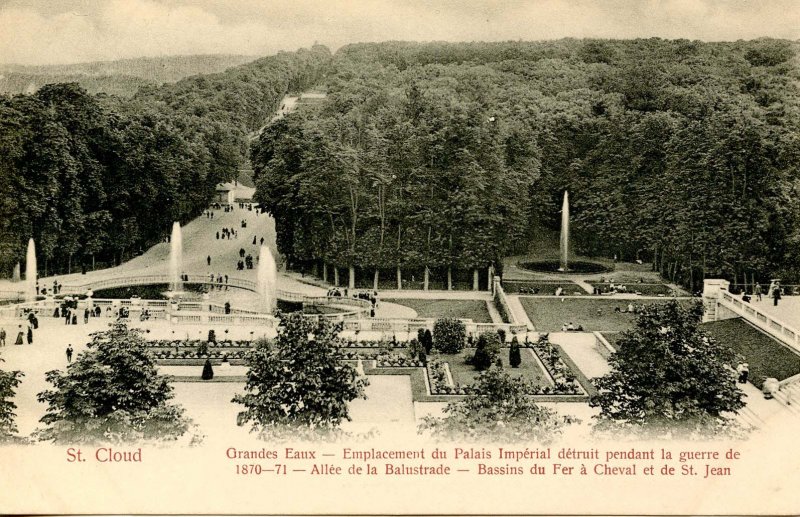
99 177
440 157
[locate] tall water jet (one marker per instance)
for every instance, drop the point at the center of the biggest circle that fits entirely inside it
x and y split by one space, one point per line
565 233
267 276
16 276
30 272
176 258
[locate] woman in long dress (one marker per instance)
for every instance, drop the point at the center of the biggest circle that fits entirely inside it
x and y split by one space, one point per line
20 338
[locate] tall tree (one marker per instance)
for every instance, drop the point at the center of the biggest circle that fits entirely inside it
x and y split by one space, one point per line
668 378
112 393
9 381
298 385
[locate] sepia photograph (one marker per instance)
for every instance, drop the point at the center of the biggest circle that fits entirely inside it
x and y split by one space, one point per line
351 257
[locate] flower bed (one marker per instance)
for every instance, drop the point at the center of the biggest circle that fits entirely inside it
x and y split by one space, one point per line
566 383
192 354
346 343
389 360
194 343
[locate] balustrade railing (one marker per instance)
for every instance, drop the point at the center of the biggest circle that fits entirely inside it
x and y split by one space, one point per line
774 327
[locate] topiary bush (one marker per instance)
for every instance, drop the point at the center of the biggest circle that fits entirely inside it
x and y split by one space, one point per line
212 336
449 335
486 351
427 341
208 371
514 357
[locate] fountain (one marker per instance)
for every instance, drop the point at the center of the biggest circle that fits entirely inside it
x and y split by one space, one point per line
565 233
267 276
175 258
30 272
16 275
564 265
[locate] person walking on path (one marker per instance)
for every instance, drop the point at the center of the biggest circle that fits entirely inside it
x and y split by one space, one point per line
20 338
2 337
30 335
69 353
776 294
86 315
208 259
757 291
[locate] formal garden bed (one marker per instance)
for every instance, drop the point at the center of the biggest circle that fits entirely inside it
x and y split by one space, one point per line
464 373
474 310
541 364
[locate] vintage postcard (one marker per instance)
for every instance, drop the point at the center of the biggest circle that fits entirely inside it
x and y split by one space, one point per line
399 257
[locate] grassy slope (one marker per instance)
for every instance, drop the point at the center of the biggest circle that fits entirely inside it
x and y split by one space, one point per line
765 356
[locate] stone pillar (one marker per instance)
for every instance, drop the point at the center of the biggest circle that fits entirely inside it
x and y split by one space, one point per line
712 290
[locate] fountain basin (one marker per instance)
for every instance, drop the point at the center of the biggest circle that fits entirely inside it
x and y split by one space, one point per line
576 267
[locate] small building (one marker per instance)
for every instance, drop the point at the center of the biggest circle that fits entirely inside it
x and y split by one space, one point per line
226 193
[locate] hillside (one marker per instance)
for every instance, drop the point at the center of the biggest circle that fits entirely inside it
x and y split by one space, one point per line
447 157
121 77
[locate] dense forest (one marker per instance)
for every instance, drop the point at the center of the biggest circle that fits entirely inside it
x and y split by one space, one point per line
437 160
97 177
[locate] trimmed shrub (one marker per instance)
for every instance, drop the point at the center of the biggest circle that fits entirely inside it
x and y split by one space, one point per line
415 349
212 336
449 335
486 351
427 341
208 371
514 357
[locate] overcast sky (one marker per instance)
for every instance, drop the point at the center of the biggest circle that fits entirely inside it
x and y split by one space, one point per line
70 31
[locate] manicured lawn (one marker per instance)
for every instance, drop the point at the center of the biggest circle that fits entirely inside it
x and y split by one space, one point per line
765 356
465 374
465 309
549 314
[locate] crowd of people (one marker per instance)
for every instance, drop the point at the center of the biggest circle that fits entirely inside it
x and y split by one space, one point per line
227 233
370 296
